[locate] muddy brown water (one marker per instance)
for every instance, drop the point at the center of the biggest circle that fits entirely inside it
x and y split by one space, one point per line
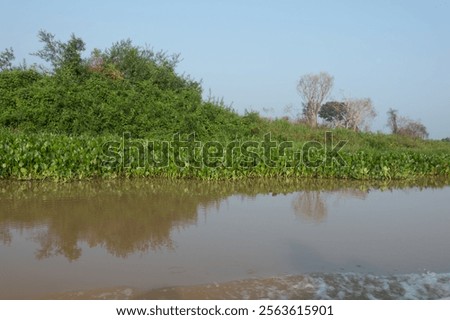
257 239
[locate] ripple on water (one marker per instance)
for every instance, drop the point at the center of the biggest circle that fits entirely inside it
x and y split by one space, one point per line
321 286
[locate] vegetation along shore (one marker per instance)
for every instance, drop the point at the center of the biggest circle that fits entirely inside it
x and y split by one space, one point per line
126 112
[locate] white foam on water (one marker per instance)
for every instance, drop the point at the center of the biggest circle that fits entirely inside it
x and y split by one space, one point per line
321 286
317 286
360 286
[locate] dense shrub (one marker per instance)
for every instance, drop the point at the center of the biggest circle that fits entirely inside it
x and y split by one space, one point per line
125 88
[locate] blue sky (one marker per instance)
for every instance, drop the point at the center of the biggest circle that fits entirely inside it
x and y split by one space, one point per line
252 53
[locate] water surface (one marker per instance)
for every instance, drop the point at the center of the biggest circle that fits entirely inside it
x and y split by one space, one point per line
253 239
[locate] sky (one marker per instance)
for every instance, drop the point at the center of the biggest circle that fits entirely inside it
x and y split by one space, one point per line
252 53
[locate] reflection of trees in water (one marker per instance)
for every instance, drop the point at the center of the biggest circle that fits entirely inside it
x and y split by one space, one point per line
5 235
129 216
312 205
121 224
121 217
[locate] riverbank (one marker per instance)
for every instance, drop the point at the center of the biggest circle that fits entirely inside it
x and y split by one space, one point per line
317 153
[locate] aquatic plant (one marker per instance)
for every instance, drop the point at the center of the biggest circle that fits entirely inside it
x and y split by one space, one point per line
63 157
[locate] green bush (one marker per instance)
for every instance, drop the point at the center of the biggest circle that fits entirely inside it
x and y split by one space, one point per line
124 88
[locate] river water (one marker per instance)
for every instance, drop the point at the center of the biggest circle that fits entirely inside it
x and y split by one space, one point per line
258 239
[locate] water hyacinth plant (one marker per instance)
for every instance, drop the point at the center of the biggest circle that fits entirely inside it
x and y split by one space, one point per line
63 157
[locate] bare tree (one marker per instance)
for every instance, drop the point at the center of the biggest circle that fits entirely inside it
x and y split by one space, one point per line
359 113
411 128
405 126
314 89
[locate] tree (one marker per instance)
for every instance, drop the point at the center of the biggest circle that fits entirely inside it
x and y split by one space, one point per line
59 54
333 112
393 120
136 64
352 114
412 128
359 113
314 90
406 126
6 59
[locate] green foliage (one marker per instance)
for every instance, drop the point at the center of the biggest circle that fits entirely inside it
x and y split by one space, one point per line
55 124
125 88
333 111
6 59
62 157
62 56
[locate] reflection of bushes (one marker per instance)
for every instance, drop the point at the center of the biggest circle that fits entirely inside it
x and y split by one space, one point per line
121 221
122 224
126 216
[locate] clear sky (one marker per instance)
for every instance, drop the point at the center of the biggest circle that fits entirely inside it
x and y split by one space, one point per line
252 53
